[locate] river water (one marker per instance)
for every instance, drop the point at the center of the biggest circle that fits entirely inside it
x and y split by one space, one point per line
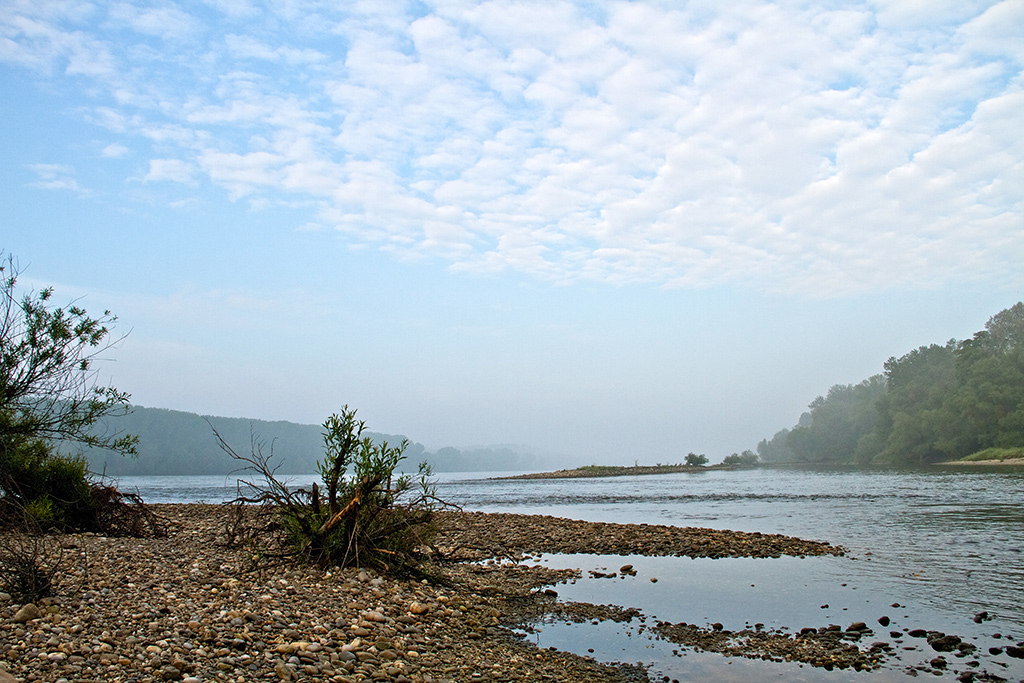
942 543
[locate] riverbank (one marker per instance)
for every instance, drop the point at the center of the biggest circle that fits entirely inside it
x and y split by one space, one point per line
186 608
592 471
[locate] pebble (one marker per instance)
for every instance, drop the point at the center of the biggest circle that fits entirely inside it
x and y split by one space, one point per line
27 612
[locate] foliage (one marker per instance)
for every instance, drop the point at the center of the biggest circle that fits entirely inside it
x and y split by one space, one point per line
833 428
746 459
934 403
695 460
50 397
776 449
48 387
363 512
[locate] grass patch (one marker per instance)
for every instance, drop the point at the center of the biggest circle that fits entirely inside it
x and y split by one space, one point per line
996 454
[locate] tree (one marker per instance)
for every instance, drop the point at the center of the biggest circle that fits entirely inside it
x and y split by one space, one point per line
50 397
918 427
990 370
776 449
835 428
747 458
694 460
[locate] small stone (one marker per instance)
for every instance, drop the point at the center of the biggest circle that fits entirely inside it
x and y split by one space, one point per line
944 643
170 673
283 671
418 608
884 621
28 612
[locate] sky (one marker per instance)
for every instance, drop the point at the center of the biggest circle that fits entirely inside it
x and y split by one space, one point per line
615 231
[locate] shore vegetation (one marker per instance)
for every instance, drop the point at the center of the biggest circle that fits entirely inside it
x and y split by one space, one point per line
995 454
50 400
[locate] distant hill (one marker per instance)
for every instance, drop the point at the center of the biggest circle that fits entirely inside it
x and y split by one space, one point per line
182 443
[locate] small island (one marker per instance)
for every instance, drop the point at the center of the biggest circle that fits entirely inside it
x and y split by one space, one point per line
591 471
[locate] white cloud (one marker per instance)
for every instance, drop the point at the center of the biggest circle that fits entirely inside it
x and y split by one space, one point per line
56 177
791 148
114 151
173 170
44 38
167 21
249 47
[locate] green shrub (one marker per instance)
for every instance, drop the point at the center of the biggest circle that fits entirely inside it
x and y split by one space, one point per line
695 460
361 513
50 399
747 458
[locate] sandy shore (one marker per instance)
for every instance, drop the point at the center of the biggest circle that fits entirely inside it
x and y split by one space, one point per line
186 608
1018 462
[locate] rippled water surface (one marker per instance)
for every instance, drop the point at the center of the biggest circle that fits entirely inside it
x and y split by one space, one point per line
945 544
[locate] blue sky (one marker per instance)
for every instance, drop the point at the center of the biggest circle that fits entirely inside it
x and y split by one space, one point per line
620 231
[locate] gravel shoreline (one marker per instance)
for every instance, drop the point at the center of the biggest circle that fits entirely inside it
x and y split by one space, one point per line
186 608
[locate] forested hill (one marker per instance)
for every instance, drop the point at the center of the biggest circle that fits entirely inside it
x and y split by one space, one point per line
935 403
176 442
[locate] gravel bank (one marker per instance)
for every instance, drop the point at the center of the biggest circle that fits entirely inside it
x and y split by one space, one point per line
478 535
185 608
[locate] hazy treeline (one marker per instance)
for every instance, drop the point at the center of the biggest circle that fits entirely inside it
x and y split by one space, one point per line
177 442
935 403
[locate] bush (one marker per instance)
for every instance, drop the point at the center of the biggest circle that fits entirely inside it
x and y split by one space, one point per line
362 513
747 458
694 460
48 396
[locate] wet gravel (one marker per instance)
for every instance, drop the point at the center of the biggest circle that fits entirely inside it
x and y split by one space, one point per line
478 535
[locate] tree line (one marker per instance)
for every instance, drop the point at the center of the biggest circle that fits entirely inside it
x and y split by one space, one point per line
173 442
936 403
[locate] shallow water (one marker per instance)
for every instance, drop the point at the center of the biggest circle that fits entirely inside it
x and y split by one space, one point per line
945 543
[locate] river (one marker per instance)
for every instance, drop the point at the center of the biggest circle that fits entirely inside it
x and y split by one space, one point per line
942 543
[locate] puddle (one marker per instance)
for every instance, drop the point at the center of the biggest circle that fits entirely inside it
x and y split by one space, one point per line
784 594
